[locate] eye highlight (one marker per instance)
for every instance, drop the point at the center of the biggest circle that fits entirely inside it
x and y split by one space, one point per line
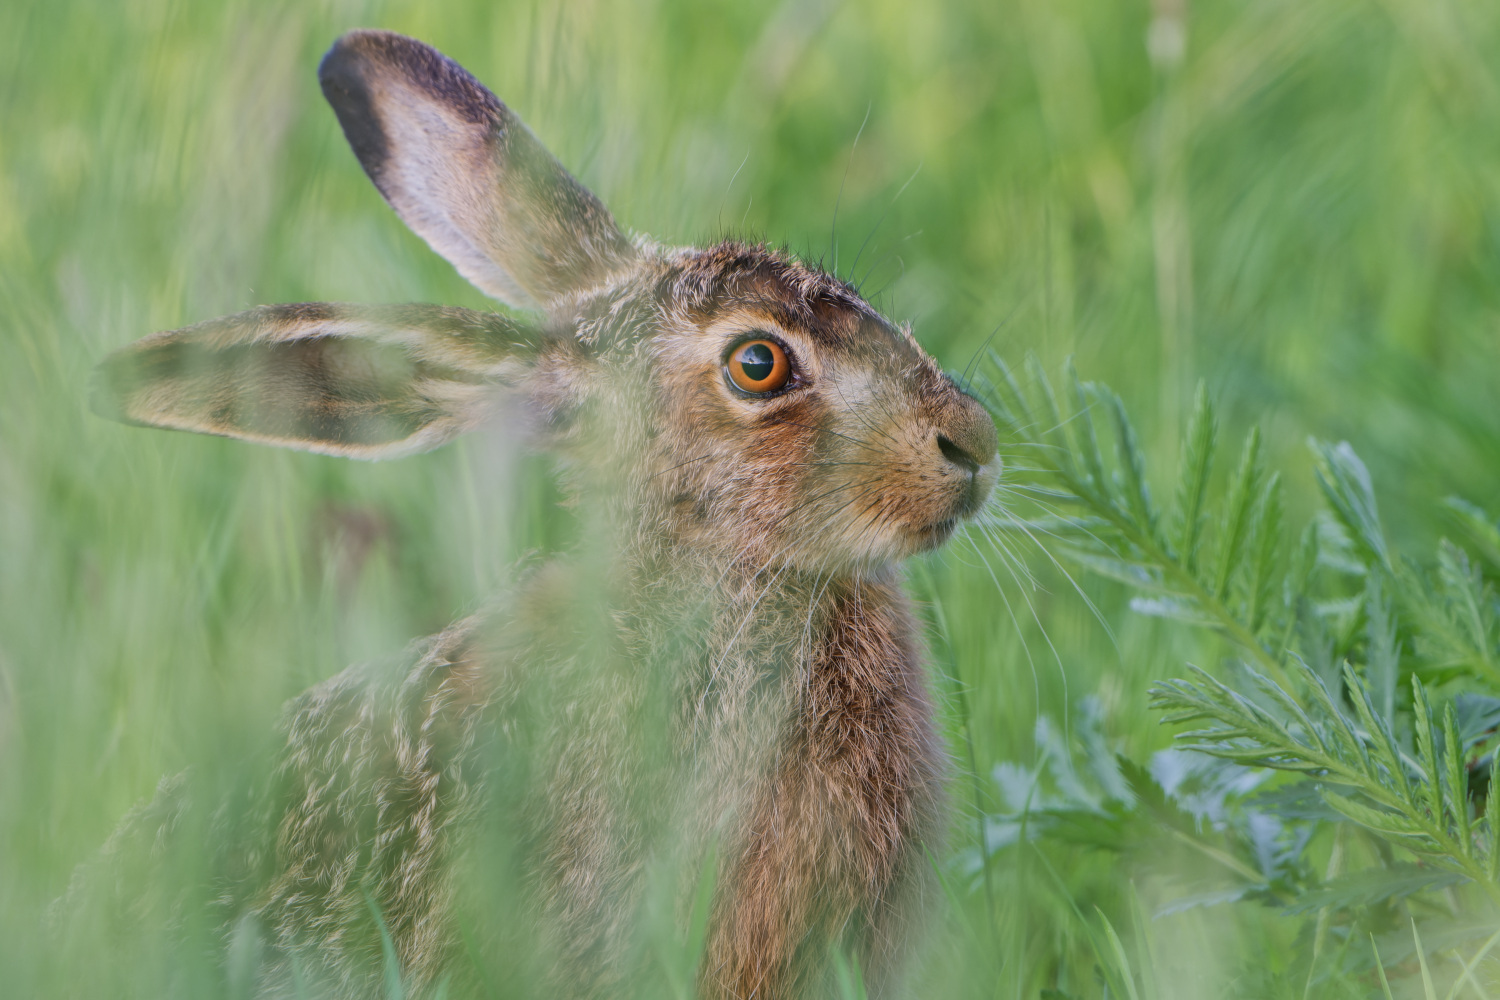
758 366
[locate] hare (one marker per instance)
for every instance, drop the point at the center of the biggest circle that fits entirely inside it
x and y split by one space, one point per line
722 686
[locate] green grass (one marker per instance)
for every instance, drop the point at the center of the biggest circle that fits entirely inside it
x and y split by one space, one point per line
1304 213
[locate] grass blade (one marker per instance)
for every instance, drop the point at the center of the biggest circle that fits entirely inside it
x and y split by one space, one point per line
1385 985
1127 975
1427 988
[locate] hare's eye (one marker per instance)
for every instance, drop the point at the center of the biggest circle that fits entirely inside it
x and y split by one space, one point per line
759 366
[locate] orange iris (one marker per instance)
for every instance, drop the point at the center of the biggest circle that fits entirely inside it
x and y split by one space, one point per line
759 366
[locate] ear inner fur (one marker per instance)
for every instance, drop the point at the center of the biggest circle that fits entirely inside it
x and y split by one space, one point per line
359 381
466 174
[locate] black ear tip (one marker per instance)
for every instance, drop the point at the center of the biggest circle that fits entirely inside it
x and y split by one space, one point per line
343 77
349 50
366 58
340 65
333 61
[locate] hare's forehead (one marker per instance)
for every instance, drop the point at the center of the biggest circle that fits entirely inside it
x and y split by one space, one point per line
821 341
735 286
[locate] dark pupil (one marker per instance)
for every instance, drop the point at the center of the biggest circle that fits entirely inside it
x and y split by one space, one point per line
758 362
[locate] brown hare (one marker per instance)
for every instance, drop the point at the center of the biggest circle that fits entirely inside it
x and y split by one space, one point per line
720 691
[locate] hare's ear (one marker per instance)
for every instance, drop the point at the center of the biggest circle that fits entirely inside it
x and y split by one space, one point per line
466 174
362 381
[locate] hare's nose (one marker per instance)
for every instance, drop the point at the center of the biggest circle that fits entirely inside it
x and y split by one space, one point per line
968 438
957 455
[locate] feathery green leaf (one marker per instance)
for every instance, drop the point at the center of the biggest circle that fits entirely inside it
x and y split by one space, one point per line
1234 524
1346 484
1132 463
1192 482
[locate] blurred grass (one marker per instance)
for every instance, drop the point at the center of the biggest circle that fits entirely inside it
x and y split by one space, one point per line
1303 209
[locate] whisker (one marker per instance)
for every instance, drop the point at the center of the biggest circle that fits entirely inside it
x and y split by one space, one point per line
821 430
843 486
680 465
1036 681
730 186
1008 554
860 416
833 237
855 266
1077 588
1031 607
1050 509
900 260
998 327
991 529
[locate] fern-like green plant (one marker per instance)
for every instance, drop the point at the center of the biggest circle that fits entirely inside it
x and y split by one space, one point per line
1419 803
1367 676
1219 564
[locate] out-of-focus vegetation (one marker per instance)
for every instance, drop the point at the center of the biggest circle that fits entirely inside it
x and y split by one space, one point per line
1296 202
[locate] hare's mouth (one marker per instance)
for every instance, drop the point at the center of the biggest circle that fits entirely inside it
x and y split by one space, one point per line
963 507
930 536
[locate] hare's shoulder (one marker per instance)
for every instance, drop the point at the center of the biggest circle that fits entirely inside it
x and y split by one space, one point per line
406 736
432 692
367 746
381 764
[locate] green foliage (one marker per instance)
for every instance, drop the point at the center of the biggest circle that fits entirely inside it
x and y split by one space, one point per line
1222 565
1324 643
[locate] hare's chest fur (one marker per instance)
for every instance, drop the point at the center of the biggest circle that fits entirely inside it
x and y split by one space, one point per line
827 841
789 757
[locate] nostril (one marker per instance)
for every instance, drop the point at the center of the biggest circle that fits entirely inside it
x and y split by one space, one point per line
956 455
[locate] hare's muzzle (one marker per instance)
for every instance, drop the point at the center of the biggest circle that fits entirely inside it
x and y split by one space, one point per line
968 442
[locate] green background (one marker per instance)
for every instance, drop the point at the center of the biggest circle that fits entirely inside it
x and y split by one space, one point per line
1303 209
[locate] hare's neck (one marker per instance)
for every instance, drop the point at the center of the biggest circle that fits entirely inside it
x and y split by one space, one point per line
740 642
832 823
763 638
769 620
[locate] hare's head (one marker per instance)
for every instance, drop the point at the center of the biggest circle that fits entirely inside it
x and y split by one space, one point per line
729 399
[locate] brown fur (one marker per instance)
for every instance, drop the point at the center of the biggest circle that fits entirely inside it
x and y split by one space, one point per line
835 834
724 676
